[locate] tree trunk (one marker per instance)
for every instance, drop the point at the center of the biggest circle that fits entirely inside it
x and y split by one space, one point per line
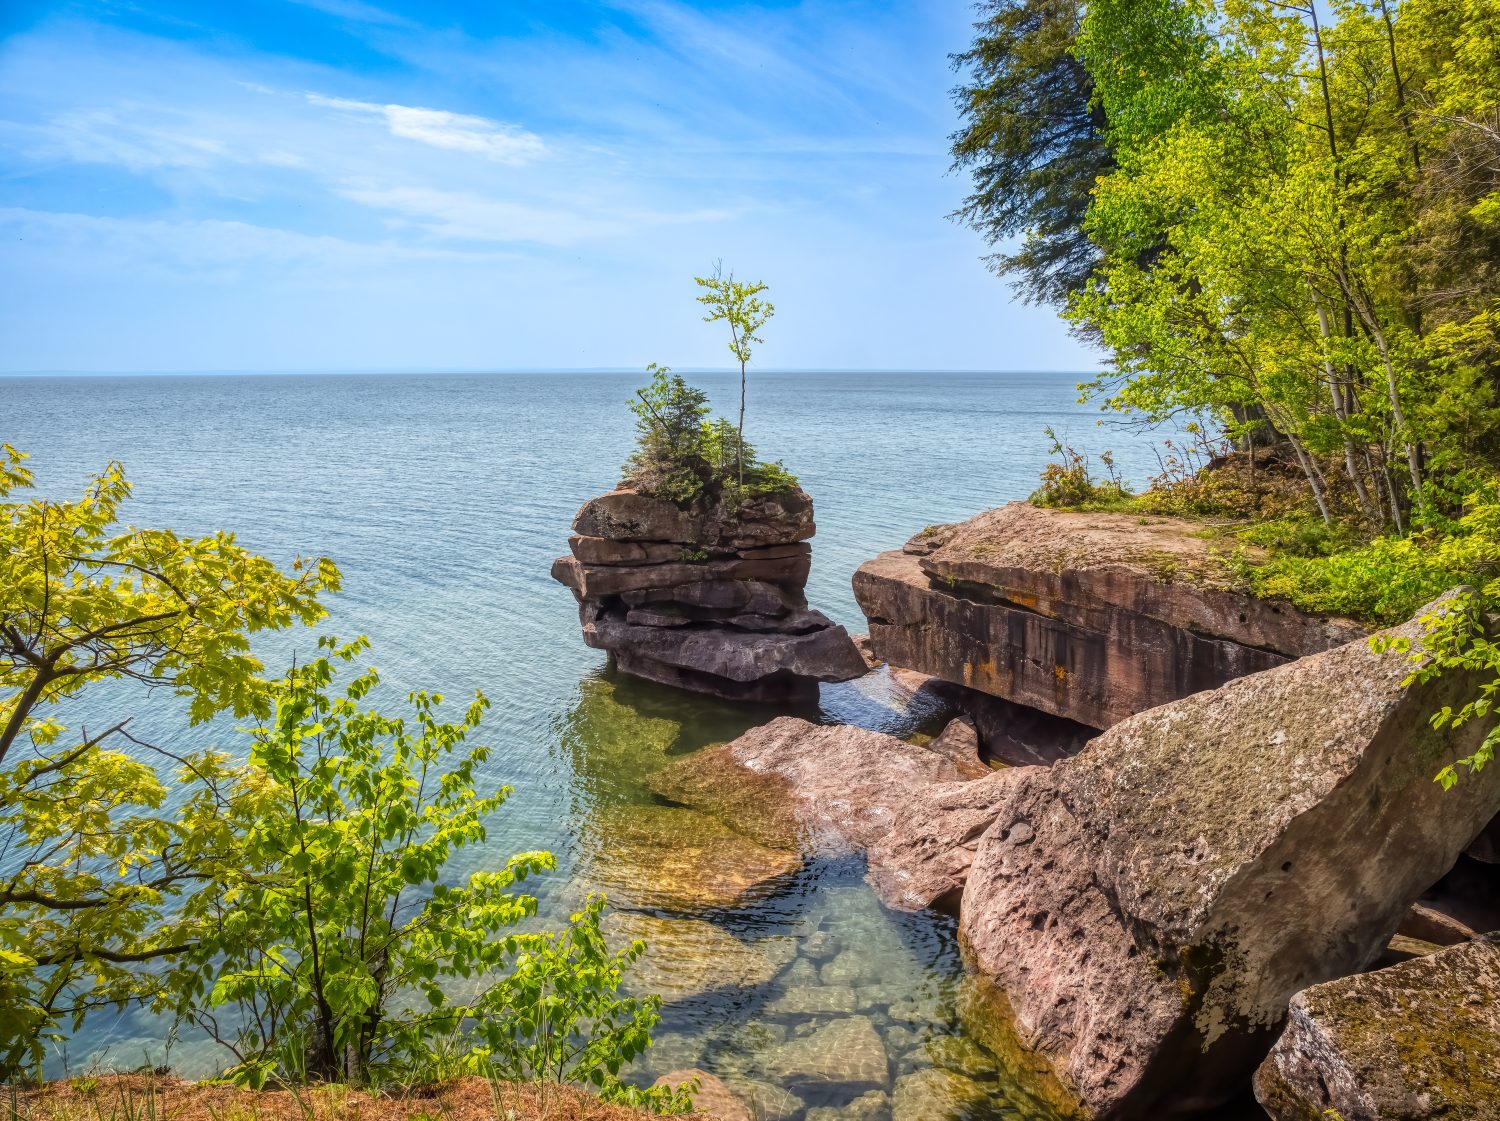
1369 506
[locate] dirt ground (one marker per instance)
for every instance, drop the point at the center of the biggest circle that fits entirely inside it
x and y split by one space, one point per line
138 1097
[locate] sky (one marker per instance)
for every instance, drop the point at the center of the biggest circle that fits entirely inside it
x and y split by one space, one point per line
403 185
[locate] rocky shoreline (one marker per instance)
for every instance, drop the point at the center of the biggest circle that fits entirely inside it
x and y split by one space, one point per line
1211 879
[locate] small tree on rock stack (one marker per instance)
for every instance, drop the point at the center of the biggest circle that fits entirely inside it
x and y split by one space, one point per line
740 306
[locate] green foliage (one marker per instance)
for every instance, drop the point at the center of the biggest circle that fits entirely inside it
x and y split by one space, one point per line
304 891
99 875
671 459
1294 231
1461 638
740 307
344 953
1386 580
687 458
1032 140
557 1016
1068 484
335 940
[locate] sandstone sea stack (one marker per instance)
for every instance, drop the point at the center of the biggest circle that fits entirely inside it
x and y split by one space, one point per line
707 598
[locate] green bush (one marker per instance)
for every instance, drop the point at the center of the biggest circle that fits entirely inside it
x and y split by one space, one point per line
1067 483
339 944
557 1016
688 458
1386 580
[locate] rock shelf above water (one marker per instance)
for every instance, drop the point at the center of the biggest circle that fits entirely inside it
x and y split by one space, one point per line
1093 617
708 599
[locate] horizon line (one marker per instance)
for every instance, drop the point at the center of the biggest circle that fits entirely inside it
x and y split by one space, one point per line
393 371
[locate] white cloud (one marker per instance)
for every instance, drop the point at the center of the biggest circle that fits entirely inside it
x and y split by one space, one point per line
457 132
202 250
465 216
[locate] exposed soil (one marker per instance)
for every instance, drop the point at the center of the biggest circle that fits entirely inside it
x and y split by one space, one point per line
141 1097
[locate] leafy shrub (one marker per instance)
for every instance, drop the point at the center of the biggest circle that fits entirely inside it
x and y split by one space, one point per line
684 456
672 457
1388 579
1067 483
557 1016
339 943
105 851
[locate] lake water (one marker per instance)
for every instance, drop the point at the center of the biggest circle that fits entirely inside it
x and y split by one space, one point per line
444 500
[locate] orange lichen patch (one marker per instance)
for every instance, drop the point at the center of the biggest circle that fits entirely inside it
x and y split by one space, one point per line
1060 672
151 1098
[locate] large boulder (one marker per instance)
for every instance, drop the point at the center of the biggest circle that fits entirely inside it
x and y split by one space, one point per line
1092 617
1150 906
1419 1041
708 598
835 788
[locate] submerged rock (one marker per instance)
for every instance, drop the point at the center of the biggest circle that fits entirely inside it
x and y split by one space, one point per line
712 1098
768 1102
707 599
872 1106
836 789
678 860
935 1094
686 958
813 1000
1150 906
1417 1041
1092 617
845 1054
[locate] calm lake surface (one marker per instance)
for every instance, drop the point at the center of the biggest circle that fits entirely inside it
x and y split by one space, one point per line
444 499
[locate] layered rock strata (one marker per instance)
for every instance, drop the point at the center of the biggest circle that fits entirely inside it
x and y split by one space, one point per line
1093 617
1150 907
1413 1042
705 599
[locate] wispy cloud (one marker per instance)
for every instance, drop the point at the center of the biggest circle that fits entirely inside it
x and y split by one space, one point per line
457 132
467 216
405 173
356 11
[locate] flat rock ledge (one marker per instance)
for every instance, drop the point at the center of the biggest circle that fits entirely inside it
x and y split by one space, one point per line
916 812
1417 1041
1093 617
1150 907
705 599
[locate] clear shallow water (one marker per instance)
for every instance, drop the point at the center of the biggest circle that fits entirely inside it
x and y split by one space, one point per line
444 499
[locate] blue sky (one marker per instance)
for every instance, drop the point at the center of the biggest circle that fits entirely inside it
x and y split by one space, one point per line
336 184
